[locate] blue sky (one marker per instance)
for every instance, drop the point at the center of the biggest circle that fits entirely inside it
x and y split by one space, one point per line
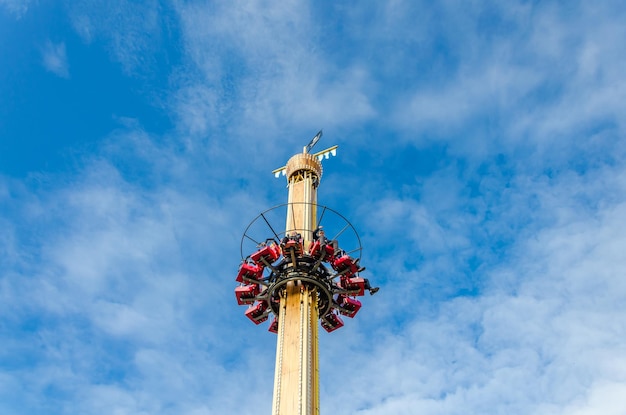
481 158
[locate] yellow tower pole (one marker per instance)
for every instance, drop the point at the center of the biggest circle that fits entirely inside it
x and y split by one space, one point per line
296 377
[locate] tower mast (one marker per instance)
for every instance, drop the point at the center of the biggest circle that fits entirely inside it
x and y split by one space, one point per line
296 378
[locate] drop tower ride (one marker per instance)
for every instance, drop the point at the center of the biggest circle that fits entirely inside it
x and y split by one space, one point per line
300 276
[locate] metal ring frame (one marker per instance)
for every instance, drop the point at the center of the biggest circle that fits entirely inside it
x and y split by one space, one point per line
319 277
319 221
324 298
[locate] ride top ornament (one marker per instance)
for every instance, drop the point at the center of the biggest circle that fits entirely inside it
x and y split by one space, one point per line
300 276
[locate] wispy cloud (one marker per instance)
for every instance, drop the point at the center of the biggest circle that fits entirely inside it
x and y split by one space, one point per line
17 7
114 304
130 30
54 58
537 337
263 64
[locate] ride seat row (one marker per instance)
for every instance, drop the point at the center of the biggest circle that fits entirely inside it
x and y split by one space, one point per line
355 286
246 293
348 306
249 272
331 322
258 313
266 255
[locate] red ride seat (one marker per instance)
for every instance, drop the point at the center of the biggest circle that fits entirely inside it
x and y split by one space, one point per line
349 306
292 245
317 250
274 326
331 322
356 285
257 313
345 266
245 294
249 272
330 253
269 253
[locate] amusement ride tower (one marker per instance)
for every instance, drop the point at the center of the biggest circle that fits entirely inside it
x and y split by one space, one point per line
300 276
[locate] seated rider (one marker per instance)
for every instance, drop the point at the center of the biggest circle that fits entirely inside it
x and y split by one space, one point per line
350 283
295 237
290 242
320 235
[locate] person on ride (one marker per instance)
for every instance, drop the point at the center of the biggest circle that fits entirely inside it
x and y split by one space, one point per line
320 235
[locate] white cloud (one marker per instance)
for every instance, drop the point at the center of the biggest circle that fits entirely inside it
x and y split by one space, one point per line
553 77
132 287
17 7
54 58
259 64
130 30
545 334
